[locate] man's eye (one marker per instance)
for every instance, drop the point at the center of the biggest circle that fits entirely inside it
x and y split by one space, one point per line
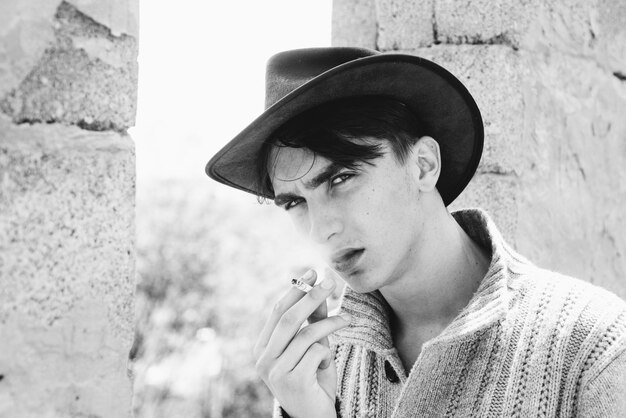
292 204
340 178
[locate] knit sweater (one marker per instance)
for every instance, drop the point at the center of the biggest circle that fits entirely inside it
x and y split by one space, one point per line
529 343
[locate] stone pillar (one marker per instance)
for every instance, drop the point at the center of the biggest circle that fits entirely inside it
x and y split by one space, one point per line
550 80
68 77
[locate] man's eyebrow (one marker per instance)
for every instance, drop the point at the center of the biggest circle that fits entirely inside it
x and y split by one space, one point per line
329 171
283 198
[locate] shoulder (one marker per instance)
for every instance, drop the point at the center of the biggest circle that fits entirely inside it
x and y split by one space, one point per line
533 284
587 321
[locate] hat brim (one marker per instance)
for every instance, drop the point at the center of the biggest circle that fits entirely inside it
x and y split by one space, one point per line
442 104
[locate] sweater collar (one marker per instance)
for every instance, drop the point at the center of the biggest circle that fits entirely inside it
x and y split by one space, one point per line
371 313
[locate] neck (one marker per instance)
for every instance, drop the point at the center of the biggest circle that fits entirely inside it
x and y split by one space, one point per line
440 282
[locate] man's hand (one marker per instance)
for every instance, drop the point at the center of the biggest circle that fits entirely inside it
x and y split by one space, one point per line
296 363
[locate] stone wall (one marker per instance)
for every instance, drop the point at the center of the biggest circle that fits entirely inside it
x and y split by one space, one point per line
68 78
550 80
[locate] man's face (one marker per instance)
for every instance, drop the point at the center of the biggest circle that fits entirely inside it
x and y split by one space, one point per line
367 220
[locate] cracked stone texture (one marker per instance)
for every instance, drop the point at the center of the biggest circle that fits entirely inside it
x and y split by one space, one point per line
354 23
66 207
493 75
25 32
571 206
85 77
120 16
404 24
66 270
592 28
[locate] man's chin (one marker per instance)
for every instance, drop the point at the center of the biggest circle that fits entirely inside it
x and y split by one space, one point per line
361 283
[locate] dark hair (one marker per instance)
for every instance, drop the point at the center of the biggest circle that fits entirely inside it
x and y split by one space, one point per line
336 130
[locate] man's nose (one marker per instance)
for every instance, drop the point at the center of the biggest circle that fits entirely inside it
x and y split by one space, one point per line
324 223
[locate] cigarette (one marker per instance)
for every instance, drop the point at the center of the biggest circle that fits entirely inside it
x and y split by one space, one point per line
299 284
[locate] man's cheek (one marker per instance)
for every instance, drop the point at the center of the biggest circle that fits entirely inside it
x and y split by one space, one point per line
300 223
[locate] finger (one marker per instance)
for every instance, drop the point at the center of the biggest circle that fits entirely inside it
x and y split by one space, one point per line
290 297
308 336
324 341
312 358
320 313
289 324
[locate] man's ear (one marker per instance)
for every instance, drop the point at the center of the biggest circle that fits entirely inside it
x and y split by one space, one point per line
427 157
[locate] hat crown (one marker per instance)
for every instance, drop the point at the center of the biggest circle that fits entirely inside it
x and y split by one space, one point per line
288 70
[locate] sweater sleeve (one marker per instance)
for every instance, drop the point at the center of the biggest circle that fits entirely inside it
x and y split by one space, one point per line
605 395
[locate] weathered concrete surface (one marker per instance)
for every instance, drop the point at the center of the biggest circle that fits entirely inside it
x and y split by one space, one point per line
66 271
493 75
66 207
120 16
594 28
404 24
571 206
25 32
549 80
85 76
354 23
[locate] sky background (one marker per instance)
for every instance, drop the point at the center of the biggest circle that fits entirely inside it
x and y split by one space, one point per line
201 75
201 82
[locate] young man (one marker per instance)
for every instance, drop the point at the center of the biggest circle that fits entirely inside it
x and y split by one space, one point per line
440 317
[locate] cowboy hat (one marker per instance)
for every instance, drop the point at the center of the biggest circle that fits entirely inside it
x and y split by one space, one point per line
301 79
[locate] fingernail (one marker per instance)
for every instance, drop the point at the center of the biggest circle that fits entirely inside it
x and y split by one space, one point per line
346 316
307 275
327 283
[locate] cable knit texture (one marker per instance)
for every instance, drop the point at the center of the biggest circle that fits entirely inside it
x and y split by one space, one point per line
530 343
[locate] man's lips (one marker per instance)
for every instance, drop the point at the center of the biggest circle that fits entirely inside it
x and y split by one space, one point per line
346 260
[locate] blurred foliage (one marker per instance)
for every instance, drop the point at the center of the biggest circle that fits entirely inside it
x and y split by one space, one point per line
210 267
